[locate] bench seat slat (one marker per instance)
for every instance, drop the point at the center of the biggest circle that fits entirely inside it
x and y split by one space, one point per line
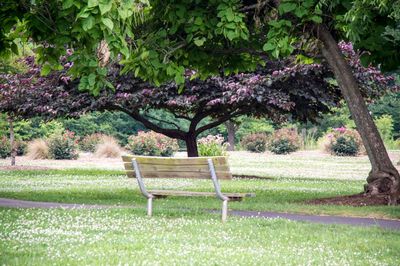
177 168
196 193
174 174
217 160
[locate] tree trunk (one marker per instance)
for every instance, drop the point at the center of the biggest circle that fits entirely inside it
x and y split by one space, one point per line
12 141
231 128
383 178
191 145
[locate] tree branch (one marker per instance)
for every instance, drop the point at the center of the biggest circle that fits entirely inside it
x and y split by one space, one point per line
163 121
172 133
219 121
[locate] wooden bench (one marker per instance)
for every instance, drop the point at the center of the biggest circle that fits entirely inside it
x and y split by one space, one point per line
213 168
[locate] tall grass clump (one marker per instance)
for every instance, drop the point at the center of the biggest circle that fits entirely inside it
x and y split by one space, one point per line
108 147
90 142
38 149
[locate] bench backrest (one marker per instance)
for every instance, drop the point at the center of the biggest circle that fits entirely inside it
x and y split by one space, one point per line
165 167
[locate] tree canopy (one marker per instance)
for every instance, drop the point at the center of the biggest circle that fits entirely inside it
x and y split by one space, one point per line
279 91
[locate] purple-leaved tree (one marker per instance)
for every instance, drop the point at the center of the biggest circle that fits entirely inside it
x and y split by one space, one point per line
279 91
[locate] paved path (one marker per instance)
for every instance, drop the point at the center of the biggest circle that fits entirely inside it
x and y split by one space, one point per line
384 223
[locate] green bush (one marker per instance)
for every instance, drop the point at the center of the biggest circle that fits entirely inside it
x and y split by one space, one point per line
256 142
282 146
90 142
5 148
21 147
343 142
63 146
284 141
212 146
345 147
152 144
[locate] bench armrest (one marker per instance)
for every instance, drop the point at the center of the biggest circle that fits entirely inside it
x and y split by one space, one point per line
140 180
214 179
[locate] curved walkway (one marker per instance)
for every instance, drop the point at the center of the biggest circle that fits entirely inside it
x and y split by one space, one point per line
383 223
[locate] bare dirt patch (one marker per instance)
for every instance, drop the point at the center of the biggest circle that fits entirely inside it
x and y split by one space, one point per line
356 200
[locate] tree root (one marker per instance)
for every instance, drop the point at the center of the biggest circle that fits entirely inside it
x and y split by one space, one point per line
384 182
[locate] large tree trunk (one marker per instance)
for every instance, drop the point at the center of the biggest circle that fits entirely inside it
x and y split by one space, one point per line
231 128
383 178
12 141
191 145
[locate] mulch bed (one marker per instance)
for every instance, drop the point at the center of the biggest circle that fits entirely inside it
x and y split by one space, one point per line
357 200
23 167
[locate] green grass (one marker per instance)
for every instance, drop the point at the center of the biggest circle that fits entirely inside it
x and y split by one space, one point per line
112 187
126 236
182 232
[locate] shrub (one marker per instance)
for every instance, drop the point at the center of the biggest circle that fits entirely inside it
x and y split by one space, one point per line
108 148
5 148
21 147
343 142
284 141
63 145
152 144
38 149
256 142
212 146
282 146
90 142
345 147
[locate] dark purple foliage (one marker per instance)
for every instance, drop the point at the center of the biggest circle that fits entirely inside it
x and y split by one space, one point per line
278 91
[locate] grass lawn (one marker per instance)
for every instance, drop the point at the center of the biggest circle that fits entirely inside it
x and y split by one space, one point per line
113 187
126 236
181 231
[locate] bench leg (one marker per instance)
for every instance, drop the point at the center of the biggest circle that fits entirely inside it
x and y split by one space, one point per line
149 206
224 210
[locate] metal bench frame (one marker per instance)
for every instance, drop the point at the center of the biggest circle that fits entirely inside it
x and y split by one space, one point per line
214 179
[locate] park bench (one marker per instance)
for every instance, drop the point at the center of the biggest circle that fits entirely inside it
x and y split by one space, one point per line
213 168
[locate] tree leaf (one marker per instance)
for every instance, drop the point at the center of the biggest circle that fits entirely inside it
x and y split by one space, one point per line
93 3
286 7
316 19
67 4
268 47
88 23
91 79
45 70
108 23
230 16
199 41
105 6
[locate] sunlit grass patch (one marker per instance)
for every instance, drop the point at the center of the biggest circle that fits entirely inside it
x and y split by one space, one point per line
111 187
125 236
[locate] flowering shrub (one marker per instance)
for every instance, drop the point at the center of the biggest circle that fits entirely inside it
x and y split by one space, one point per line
284 141
5 148
212 146
343 142
152 144
63 145
256 142
90 142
